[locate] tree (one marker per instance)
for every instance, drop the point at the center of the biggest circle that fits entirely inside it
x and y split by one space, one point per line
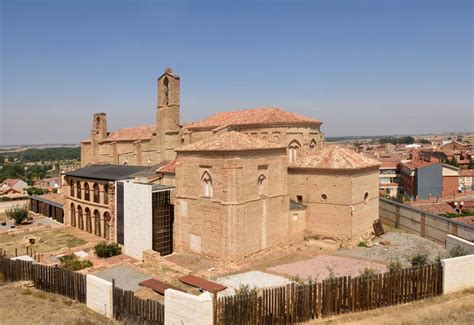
18 213
453 162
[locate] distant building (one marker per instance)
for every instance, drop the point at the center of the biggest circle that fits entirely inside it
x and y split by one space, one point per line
16 183
466 180
389 177
422 179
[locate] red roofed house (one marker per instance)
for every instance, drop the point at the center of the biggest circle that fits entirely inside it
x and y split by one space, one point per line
17 184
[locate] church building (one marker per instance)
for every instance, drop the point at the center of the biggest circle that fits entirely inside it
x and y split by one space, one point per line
238 181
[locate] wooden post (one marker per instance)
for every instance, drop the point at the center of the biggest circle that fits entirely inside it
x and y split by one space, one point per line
214 306
16 252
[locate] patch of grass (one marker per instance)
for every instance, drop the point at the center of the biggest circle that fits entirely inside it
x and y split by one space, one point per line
458 251
395 266
73 263
362 244
27 292
468 291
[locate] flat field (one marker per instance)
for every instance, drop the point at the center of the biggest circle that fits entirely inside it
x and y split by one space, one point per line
53 240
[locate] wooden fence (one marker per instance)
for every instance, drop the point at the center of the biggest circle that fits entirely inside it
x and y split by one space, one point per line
302 302
129 308
47 278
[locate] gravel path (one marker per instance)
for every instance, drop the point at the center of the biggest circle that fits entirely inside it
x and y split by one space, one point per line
126 277
401 246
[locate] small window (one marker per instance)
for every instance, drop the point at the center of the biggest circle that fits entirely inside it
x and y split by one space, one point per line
206 181
293 151
299 198
262 182
324 197
312 145
366 197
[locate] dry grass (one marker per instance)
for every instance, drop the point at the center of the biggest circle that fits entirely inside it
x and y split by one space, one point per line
20 305
54 239
457 308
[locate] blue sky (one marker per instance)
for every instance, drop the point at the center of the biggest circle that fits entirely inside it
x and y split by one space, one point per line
362 67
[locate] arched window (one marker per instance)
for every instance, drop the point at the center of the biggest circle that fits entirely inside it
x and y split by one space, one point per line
71 188
96 193
80 218
78 190
293 151
73 215
88 220
106 194
262 182
107 225
97 223
206 181
312 145
87 195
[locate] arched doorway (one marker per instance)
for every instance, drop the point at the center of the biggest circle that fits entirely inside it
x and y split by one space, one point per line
80 218
73 215
88 220
97 223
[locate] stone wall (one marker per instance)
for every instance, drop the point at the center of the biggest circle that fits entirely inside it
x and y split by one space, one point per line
99 295
138 234
453 241
458 273
237 220
184 308
425 224
335 201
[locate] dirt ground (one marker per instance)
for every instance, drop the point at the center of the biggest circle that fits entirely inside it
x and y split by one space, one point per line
457 308
53 240
19 305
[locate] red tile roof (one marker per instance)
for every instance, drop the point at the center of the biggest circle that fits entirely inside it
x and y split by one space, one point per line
231 141
265 116
466 172
169 168
12 181
144 132
414 164
335 157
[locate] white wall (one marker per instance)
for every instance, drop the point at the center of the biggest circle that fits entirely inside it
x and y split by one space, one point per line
184 308
453 241
138 234
99 295
458 273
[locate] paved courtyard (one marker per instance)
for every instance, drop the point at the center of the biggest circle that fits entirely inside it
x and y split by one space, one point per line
320 267
126 277
398 245
252 279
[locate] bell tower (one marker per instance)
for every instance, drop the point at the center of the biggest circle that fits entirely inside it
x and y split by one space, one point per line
98 134
167 115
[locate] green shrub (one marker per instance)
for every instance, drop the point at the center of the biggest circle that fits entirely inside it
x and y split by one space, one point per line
362 244
18 213
419 260
395 266
368 273
105 249
457 251
73 263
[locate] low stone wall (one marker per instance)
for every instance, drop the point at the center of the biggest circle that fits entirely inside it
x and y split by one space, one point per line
458 273
184 308
453 241
99 295
427 225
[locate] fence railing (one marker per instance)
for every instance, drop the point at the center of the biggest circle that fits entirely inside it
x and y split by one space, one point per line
47 278
302 302
129 308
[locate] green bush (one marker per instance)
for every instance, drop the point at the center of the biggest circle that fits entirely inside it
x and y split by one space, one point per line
368 273
419 260
362 244
104 249
73 263
17 213
395 266
457 251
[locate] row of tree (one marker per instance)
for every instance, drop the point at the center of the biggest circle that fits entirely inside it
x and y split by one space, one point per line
37 155
27 173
